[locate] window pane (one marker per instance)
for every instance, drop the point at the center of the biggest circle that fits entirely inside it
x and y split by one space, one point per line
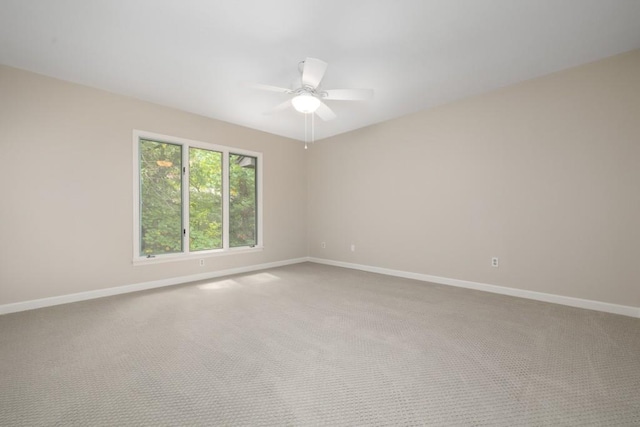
242 200
160 198
205 199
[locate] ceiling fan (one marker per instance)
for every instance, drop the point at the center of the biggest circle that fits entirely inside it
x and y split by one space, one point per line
308 97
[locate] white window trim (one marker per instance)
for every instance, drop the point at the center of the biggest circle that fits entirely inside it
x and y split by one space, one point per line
187 254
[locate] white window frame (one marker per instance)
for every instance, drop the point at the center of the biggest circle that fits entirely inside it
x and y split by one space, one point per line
186 253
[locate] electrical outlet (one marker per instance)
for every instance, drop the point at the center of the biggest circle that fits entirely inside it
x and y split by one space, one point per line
353 247
494 262
202 263
323 245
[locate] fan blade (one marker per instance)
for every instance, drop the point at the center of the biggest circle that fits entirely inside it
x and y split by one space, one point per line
348 94
325 113
313 71
280 107
270 88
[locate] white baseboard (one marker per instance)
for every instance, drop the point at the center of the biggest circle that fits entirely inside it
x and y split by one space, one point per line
81 296
539 296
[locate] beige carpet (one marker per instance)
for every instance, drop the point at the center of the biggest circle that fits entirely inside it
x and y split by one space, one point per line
315 345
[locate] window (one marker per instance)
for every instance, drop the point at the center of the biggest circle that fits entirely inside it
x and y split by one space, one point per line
242 200
205 199
194 199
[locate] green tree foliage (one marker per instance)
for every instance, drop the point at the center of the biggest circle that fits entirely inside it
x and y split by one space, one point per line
242 201
205 199
161 197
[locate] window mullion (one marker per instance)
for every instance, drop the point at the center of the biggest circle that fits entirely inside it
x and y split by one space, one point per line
225 200
185 199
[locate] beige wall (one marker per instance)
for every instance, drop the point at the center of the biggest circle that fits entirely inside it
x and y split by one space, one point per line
67 176
544 174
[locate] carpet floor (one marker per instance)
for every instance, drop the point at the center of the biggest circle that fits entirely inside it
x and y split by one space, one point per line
310 344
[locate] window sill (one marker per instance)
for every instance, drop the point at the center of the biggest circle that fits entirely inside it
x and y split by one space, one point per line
159 259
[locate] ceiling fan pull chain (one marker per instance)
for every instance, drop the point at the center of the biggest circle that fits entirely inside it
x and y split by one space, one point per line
305 131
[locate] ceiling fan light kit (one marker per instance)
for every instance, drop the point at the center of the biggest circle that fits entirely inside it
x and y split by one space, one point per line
305 103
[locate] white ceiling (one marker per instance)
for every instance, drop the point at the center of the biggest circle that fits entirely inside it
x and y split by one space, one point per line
197 55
